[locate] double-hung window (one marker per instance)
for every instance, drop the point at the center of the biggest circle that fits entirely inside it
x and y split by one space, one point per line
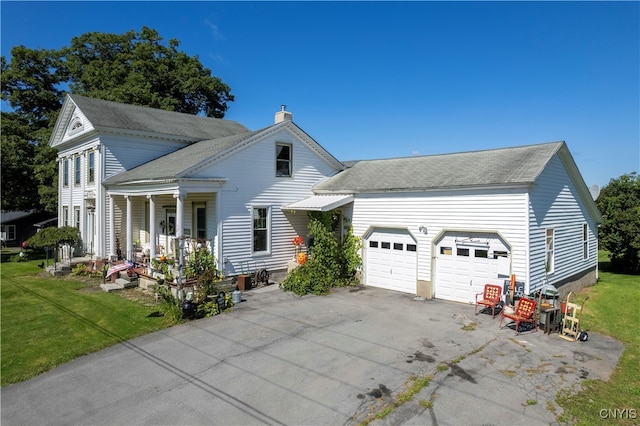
76 216
65 172
91 167
260 229
283 160
585 241
77 170
549 251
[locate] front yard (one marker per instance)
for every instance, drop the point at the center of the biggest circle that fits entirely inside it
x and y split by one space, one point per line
49 321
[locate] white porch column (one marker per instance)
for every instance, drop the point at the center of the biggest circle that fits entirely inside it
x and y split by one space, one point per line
179 217
129 251
179 237
112 227
152 226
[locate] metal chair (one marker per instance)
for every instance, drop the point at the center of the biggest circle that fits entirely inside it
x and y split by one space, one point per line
490 298
525 312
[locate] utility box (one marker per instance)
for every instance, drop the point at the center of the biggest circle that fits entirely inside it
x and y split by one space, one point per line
244 282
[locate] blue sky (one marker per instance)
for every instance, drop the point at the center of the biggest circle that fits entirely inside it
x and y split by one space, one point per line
394 79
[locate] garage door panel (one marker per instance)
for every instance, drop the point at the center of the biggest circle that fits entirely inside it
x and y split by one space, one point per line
391 260
462 270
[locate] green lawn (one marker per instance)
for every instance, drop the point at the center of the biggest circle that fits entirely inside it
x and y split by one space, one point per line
613 309
49 321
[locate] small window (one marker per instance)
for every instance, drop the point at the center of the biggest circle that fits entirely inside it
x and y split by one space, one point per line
260 229
386 245
283 160
585 241
446 251
201 222
497 254
398 246
373 244
77 170
462 252
91 167
65 172
76 216
411 247
549 250
481 253
65 216
9 231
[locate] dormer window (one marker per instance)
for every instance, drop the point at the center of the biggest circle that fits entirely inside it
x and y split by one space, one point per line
283 160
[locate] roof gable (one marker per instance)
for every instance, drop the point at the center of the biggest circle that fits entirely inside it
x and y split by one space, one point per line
187 161
125 118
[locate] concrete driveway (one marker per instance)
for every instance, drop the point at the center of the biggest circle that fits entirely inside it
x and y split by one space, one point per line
281 359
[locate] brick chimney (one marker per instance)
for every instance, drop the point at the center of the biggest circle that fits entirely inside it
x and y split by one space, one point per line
283 115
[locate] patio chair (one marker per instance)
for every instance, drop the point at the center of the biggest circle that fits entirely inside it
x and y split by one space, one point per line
525 312
490 298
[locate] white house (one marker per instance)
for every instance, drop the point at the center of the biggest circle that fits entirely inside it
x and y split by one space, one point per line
444 225
437 226
134 177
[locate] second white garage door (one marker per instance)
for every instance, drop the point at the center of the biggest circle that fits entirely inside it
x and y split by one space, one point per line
464 265
391 260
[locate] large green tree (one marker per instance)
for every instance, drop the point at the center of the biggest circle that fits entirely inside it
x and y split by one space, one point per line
136 68
619 203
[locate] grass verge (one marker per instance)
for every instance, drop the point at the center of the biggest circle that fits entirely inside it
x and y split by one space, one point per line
48 321
613 309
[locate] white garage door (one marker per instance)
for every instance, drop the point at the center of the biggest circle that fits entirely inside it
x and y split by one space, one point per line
391 260
465 264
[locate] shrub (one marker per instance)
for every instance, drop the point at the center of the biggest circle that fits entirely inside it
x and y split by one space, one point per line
169 305
80 270
329 264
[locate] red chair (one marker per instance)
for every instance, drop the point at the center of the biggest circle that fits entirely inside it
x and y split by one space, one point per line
490 297
525 312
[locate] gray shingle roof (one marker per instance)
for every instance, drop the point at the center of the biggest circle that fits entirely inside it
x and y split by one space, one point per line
176 163
506 166
114 115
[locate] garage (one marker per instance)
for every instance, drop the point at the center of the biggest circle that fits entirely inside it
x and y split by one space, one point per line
464 263
391 260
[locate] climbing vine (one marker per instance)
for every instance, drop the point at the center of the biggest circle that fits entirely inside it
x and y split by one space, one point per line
330 263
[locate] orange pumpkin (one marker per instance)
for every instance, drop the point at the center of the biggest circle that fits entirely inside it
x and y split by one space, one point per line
163 258
302 258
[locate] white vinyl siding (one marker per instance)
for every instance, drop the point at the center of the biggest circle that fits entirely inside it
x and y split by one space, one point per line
501 211
555 203
252 182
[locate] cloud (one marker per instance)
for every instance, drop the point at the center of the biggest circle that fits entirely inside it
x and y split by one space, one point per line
415 152
215 31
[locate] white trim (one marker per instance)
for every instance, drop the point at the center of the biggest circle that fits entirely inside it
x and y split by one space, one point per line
320 203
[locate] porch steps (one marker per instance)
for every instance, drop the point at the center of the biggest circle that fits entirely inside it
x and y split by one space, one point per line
121 283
